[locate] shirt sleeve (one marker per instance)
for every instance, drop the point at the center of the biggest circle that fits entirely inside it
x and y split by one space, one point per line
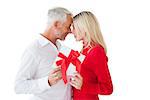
25 82
101 70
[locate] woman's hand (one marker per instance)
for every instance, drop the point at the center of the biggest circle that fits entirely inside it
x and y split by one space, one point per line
76 81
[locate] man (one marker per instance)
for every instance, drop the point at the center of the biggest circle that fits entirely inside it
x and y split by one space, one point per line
36 75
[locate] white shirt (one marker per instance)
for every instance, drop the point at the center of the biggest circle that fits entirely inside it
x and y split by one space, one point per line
32 77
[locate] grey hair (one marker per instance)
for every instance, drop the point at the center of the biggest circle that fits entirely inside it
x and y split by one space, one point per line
57 14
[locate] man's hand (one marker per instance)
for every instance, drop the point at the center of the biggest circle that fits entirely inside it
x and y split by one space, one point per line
54 76
76 81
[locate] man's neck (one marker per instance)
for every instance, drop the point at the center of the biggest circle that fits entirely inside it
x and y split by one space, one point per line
49 37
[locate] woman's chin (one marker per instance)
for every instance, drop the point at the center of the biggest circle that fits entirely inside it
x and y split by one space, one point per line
84 44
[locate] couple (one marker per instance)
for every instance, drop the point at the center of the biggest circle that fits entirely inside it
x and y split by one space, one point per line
37 77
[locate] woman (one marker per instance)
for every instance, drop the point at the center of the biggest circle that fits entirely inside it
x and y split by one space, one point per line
94 69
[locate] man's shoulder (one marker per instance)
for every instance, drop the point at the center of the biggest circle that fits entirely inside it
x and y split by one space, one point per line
33 46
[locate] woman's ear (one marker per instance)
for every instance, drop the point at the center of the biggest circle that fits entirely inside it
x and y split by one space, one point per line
84 34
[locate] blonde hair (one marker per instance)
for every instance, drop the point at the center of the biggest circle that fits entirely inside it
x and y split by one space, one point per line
86 23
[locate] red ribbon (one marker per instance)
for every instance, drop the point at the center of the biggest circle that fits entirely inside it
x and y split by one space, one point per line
65 61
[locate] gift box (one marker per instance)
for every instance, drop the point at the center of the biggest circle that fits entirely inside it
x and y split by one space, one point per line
70 62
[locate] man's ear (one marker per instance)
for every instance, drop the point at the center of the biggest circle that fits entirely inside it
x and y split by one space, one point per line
57 24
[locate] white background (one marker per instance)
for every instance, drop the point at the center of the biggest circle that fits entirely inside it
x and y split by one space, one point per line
125 25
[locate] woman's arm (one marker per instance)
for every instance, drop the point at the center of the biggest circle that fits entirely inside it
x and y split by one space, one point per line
101 70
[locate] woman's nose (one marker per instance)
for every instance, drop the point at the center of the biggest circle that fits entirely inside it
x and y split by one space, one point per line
69 31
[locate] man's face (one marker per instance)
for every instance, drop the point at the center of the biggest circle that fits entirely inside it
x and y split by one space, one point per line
65 28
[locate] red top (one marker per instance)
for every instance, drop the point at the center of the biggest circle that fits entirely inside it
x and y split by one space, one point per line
96 76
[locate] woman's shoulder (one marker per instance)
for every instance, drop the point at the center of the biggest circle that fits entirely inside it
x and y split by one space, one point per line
97 49
97 52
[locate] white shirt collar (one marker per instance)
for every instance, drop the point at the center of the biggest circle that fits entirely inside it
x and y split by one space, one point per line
43 42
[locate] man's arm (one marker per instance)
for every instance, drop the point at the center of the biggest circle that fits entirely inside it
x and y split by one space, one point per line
25 83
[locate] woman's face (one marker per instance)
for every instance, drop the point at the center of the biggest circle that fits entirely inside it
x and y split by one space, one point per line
81 37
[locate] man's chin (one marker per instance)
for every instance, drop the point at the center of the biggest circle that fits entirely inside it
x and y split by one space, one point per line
62 39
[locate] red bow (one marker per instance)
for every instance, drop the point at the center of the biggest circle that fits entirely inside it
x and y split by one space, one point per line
65 61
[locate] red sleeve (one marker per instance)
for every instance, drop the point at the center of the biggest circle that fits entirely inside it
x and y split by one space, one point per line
101 70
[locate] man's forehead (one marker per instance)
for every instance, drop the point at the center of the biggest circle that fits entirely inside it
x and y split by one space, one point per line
70 18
